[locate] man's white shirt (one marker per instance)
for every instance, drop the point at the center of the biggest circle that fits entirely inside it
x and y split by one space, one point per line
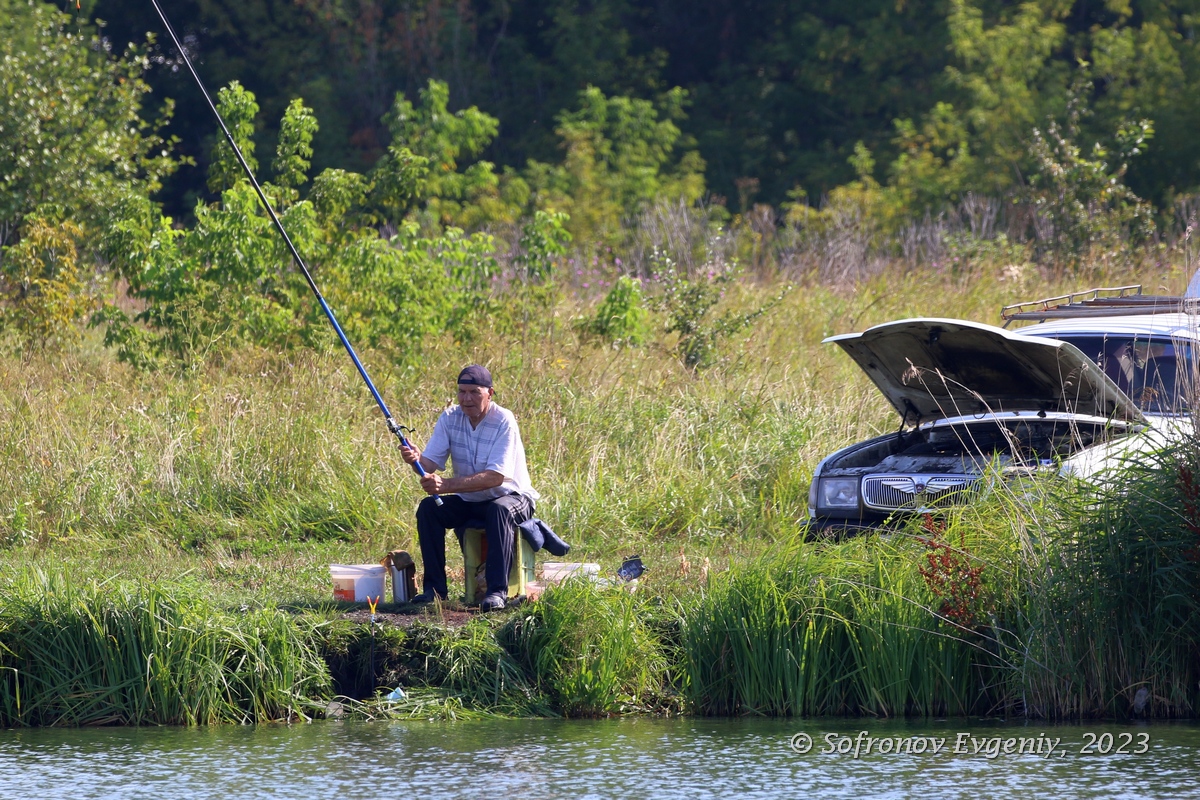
495 444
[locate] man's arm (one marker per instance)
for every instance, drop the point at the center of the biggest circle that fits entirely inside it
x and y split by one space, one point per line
436 484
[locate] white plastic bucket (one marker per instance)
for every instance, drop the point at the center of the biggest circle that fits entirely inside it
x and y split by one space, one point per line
356 582
559 571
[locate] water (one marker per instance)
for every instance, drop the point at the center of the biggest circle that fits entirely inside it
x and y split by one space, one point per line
625 758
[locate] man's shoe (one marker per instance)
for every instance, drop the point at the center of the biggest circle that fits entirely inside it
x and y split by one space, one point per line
492 602
427 596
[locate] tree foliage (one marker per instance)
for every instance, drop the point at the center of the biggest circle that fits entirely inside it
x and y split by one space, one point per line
293 155
422 165
237 108
229 279
620 154
71 130
877 114
46 291
780 93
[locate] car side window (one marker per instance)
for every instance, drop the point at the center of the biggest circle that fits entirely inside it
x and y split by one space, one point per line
1147 370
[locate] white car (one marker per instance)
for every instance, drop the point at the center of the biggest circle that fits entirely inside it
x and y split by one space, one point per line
1095 380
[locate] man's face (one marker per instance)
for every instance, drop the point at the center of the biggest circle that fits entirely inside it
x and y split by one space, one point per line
474 400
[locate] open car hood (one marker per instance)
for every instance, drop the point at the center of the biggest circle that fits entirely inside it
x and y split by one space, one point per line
933 368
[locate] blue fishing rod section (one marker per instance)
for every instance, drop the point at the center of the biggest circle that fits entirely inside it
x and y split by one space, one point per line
393 426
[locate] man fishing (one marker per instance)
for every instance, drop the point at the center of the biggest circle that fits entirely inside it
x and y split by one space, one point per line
491 482
490 485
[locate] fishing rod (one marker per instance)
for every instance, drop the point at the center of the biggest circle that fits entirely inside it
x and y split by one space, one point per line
393 426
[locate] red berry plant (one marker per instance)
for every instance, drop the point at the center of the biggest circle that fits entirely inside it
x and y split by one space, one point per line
1189 490
951 576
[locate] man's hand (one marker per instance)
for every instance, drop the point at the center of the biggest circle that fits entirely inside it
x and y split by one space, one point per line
409 454
432 483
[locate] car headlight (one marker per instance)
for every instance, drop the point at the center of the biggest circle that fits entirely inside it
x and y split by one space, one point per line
838 493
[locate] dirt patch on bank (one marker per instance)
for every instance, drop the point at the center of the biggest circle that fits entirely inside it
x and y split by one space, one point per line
452 615
451 618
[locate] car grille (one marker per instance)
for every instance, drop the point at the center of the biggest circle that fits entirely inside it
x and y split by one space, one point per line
915 492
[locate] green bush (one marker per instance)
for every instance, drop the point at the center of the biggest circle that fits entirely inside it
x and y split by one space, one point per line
687 303
44 291
1091 210
229 280
622 318
543 241
421 175
622 153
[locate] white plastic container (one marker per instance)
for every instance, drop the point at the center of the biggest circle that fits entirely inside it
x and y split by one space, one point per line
356 582
559 571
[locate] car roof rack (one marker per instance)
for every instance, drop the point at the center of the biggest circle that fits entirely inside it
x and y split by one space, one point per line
1102 301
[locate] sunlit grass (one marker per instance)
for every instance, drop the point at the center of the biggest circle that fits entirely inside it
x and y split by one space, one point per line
259 468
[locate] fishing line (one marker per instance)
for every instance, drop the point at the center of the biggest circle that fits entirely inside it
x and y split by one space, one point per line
387 415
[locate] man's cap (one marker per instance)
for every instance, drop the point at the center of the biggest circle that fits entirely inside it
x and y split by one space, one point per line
475 375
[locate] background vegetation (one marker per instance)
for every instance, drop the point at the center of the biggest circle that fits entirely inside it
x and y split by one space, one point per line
779 93
184 448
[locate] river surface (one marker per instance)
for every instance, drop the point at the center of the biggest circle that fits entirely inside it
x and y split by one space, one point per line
622 758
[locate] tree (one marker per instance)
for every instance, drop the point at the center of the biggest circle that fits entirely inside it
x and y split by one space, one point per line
71 134
229 280
423 161
621 153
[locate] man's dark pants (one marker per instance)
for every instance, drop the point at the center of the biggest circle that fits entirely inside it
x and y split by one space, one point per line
500 518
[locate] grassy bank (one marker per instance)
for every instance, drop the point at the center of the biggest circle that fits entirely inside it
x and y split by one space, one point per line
233 485
1091 611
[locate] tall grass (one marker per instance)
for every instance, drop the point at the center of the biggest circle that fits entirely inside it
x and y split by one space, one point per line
74 654
254 451
1086 606
594 651
1112 618
847 629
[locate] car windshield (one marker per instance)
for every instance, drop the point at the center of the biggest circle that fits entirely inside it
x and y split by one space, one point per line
1157 374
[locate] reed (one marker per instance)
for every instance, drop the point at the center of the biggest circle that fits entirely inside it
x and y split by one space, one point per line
1112 618
1078 601
73 654
846 629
